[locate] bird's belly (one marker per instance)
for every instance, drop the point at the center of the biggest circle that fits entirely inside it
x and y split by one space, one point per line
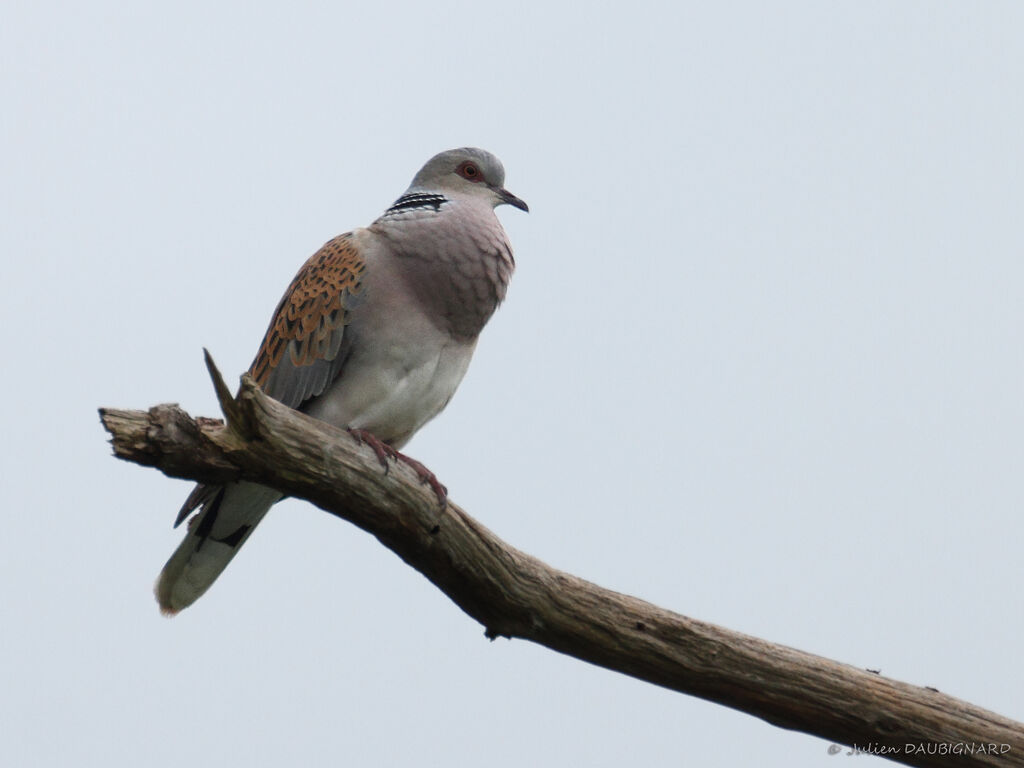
393 390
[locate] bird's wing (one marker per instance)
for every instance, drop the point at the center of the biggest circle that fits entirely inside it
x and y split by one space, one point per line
304 348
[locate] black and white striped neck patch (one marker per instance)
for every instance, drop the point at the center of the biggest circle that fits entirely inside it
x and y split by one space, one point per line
416 201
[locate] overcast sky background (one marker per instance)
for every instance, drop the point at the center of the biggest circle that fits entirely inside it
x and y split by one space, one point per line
760 363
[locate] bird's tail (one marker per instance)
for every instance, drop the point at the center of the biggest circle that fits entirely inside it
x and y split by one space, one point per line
228 516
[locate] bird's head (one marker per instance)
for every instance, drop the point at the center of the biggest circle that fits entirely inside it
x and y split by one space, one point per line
467 171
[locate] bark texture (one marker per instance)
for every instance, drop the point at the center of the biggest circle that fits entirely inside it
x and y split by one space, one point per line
515 595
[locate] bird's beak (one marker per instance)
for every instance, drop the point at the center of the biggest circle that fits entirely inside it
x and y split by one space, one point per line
504 196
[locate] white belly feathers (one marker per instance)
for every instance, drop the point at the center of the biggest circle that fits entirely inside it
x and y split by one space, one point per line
400 392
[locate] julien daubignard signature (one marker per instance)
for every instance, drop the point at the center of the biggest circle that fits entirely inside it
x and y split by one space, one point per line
922 748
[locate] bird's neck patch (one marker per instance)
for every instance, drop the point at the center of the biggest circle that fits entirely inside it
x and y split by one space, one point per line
416 201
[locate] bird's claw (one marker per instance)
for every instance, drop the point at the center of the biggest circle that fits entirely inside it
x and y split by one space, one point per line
382 449
385 452
427 477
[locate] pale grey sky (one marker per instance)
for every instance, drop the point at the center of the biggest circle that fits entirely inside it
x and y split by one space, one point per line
761 362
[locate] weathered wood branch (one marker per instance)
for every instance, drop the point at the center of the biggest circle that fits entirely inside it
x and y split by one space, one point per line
515 595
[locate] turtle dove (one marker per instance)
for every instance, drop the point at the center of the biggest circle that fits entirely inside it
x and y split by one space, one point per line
373 335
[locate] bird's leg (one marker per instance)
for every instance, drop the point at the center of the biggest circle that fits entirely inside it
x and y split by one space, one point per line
385 452
428 477
382 449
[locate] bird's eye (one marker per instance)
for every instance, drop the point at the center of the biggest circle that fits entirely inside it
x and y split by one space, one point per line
469 171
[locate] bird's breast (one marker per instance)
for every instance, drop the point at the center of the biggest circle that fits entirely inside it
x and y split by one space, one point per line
456 263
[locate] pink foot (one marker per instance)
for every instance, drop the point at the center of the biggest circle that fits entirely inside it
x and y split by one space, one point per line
385 452
382 449
428 477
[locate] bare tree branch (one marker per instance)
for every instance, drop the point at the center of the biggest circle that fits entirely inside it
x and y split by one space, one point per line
515 595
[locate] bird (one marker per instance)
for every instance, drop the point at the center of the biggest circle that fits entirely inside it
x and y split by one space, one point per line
373 335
